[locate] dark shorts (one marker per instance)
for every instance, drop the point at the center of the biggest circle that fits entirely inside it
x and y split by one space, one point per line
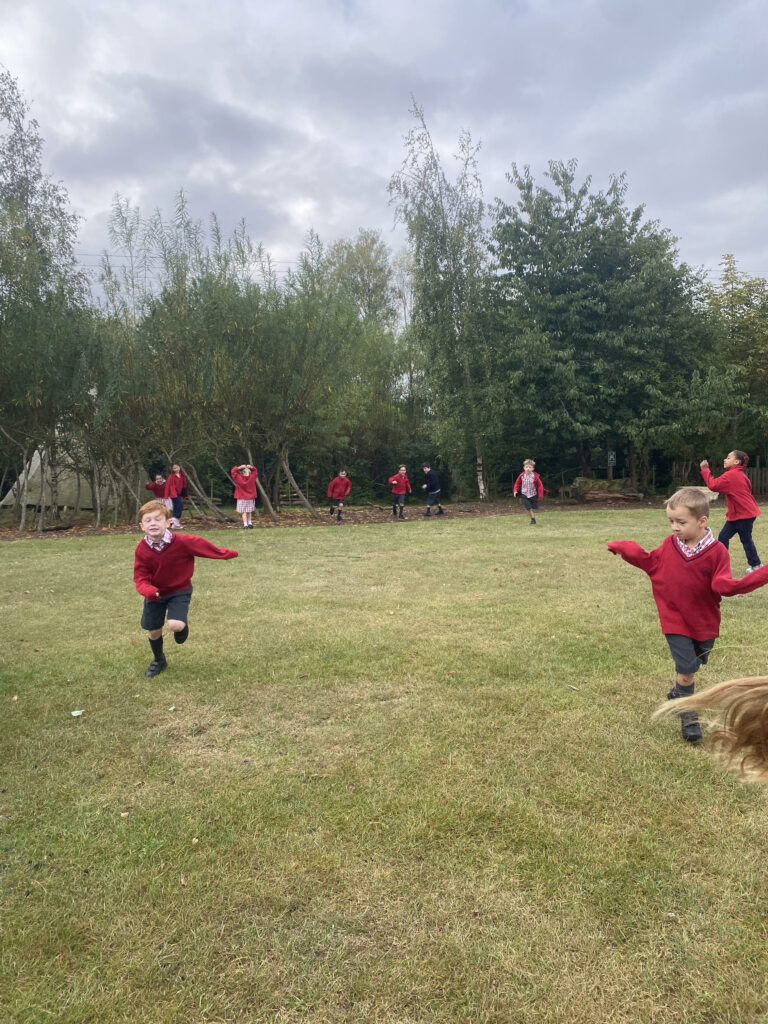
335 502
178 507
174 606
531 504
688 654
398 499
433 498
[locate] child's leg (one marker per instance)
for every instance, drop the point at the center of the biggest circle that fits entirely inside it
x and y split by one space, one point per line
744 530
178 609
728 531
245 520
152 619
688 655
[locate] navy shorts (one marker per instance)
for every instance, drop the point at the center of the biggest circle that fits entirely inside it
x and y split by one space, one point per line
174 606
531 504
398 499
687 653
433 498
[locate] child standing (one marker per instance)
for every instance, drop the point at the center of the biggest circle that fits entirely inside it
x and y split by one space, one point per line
432 487
689 572
338 490
400 484
245 492
158 489
163 564
530 485
176 489
741 507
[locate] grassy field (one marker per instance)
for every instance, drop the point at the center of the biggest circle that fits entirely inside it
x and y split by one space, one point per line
398 774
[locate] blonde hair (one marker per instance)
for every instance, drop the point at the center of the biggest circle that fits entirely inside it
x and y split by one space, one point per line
739 732
691 498
528 462
154 506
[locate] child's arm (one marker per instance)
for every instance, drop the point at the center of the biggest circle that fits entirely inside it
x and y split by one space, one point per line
713 482
142 580
631 552
724 584
202 548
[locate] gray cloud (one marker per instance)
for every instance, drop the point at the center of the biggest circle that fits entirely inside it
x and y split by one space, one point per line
293 115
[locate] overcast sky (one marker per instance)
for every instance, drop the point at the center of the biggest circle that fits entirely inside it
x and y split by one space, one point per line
291 113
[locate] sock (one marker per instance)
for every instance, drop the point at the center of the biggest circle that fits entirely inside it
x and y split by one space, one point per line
681 691
157 648
182 635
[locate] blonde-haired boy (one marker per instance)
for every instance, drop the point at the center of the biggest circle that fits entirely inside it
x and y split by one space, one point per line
530 486
690 572
163 564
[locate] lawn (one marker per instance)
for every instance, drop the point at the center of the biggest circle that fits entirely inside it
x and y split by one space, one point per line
399 773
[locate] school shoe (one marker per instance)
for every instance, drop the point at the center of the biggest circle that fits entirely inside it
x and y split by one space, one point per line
751 568
690 729
440 512
427 513
533 522
182 635
156 666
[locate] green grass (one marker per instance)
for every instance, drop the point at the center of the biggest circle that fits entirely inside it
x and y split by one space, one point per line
398 774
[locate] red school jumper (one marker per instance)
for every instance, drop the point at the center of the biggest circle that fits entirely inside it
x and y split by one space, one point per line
339 488
175 485
160 573
400 483
537 481
245 486
687 591
157 489
735 485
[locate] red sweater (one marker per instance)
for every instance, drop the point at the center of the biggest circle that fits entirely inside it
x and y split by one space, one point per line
245 486
157 489
536 480
160 573
735 485
175 485
687 591
400 483
339 488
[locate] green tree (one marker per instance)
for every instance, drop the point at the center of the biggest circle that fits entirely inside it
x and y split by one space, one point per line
604 316
451 276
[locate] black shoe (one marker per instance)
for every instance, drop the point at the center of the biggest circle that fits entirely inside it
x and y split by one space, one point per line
440 512
690 729
330 512
338 518
156 666
182 635
533 522
427 513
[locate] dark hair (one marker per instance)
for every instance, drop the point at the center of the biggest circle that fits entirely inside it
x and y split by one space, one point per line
742 457
426 465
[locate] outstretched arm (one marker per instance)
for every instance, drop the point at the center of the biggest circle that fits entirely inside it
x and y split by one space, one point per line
726 586
631 552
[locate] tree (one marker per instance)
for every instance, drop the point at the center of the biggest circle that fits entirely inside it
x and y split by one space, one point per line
451 274
604 316
42 293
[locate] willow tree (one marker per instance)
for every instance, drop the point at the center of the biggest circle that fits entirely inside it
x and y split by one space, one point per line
450 276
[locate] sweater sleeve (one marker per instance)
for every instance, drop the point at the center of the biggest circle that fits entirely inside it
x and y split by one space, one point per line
715 483
516 488
141 577
631 552
202 548
724 584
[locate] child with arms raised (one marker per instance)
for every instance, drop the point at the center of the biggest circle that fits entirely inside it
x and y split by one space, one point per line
690 572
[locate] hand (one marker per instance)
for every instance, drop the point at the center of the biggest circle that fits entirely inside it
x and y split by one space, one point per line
612 549
704 464
423 487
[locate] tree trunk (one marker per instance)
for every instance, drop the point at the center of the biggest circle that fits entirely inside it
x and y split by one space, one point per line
296 488
585 461
482 489
53 471
203 497
96 492
43 466
632 466
24 488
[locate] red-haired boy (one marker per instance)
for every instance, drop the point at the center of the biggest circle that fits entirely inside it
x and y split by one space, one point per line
163 564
